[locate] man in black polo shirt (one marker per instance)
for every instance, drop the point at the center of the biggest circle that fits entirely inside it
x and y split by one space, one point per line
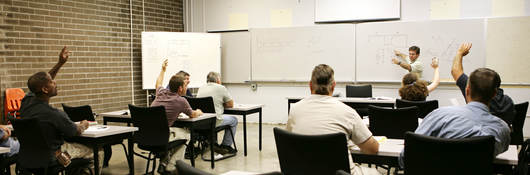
501 105
35 104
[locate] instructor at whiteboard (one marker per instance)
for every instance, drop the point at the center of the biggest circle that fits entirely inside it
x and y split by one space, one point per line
413 65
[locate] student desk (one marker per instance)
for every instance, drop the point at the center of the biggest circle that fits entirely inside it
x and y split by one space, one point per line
4 150
97 139
355 103
124 116
390 149
244 110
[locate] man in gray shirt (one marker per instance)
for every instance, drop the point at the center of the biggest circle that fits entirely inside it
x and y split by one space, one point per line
221 100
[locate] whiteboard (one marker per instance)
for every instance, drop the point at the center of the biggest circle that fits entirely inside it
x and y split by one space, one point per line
508 48
290 54
441 38
195 53
235 57
356 10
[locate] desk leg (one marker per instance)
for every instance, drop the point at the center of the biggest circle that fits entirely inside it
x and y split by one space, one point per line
213 134
260 129
192 147
130 144
245 134
95 149
104 121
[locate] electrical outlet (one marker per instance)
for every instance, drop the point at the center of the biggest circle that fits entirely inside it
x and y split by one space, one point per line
254 86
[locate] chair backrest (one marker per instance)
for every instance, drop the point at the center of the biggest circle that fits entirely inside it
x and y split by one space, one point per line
13 99
204 103
359 90
425 107
518 123
79 113
392 123
34 150
432 155
311 154
153 129
185 169
523 159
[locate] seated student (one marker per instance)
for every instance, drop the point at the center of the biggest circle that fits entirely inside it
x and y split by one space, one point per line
221 100
473 119
174 104
186 81
414 89
501 105
321 113
7 141
35 104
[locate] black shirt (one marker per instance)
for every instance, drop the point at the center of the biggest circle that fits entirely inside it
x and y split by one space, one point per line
501 105
59 122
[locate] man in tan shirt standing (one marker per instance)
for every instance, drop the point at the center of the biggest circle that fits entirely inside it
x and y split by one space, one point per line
321 113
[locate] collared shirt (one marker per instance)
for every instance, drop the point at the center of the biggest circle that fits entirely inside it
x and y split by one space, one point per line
173 103
32 107
220 96
416 67
322 114
501 105
13 145
466 121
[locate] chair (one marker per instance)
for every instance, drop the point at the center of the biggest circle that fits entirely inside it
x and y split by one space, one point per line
35 154
392 123
359 90
523 159
80 113
425 107
185 169
12 102
311 154
206 105
432 155
153 133
517 124
6 162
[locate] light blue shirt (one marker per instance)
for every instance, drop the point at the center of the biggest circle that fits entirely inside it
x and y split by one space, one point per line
466 121
9 142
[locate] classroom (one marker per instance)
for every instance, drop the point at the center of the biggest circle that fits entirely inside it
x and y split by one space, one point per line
264 52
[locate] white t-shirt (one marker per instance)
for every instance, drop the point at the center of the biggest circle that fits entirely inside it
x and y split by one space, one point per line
322 114
416 67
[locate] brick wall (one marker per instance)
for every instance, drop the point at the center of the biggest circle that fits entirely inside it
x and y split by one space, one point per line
97 32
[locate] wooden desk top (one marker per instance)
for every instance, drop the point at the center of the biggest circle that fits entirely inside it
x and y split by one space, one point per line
96 131
245 107
4 150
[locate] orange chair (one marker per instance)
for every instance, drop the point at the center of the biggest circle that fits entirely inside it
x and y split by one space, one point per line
12 102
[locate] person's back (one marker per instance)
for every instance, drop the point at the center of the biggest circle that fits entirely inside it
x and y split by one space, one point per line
218 92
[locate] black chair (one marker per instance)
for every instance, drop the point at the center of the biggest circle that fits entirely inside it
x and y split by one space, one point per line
153 133
311 154
206 105
523 159
425 107
432 155
392 123
35 154
6 162
359 90
185 169
80 113
518 123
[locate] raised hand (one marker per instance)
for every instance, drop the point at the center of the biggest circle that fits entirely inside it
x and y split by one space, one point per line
434 63
397 52
63 56
395 61
164 65
464 49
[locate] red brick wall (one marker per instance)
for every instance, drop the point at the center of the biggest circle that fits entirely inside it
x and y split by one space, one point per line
97 32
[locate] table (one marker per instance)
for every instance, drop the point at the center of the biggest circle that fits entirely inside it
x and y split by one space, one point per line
124 116
97 139
390 149
355 103
4 150
246 109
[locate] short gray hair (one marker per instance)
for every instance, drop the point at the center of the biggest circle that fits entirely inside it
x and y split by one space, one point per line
213 77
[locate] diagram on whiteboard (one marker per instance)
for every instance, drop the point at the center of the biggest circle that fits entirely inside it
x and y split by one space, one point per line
386 46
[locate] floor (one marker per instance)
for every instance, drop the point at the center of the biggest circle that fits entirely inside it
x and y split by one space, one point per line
265 160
